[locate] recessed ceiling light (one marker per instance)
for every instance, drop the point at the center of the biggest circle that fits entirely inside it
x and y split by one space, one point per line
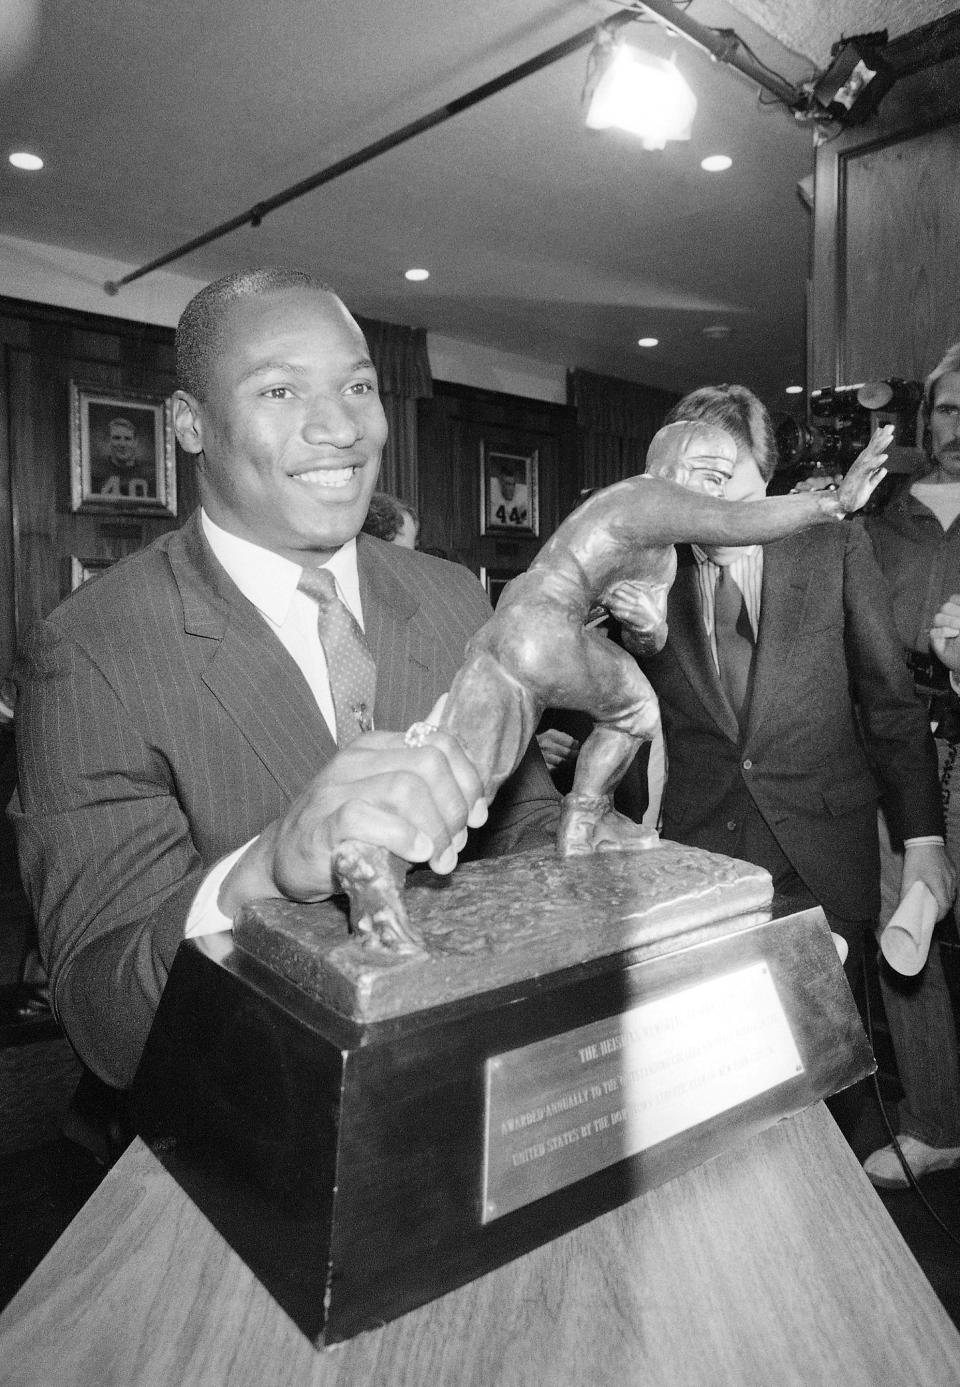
416 275
716 330
23 160
647 341
794 390
716 163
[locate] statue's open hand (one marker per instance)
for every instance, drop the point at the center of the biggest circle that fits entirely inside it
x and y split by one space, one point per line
867 472
416 802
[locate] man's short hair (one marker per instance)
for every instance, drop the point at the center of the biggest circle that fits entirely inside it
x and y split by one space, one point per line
950 361
199 326
740 412
386 515
125 423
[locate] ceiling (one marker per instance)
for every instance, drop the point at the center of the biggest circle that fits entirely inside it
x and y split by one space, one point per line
158 121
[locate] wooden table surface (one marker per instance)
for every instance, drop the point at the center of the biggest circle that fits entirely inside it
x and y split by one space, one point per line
775 1264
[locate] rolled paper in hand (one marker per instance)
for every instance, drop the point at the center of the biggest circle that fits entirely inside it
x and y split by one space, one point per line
905 938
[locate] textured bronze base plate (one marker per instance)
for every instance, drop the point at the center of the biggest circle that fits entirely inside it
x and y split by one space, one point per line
503 920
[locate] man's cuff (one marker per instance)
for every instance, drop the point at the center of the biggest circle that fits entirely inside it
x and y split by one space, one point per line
931 840
205 915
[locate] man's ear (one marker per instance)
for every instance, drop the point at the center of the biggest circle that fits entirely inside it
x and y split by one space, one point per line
187 422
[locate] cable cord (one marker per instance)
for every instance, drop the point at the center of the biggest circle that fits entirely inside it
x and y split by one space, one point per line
911 1178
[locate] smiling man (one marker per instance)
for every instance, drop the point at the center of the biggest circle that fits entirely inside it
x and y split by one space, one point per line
183 746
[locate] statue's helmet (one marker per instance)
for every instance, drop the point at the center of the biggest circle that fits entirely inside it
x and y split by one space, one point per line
694 454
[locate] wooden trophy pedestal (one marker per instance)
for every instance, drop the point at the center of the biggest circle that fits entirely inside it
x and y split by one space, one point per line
363 1167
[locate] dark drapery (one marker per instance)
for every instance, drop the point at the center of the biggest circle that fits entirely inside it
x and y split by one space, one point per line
400 355
616 420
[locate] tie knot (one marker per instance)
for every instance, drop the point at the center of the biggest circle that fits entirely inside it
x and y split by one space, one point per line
319 584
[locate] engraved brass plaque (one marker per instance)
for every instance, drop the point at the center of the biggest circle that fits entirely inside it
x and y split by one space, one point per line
561 1109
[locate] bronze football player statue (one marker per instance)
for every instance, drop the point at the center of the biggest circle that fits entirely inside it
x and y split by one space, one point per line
613 554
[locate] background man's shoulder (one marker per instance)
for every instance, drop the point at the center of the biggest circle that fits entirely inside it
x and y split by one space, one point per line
431 579
822 543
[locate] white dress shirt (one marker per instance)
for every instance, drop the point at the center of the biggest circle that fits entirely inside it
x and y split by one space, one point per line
746 570
269 581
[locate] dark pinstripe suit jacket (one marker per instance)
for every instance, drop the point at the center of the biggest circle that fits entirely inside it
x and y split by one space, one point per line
161 725
833 721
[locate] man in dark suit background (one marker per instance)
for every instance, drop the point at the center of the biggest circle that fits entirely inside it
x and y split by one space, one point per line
177 752
830 720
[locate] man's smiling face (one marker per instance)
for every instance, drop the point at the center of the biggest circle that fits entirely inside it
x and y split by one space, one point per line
291 427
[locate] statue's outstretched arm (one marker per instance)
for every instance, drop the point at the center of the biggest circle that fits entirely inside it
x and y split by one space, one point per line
708 520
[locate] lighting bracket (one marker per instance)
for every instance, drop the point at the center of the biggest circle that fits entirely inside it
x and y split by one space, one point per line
725 46
845 93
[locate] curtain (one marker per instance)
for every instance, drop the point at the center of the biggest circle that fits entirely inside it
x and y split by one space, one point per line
400 355
616 420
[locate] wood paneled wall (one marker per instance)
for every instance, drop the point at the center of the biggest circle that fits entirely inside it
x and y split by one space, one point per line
452 427
885 293
44 349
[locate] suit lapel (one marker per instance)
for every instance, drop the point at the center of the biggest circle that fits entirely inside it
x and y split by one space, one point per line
405 659
691 648
247 669
786 578
257 683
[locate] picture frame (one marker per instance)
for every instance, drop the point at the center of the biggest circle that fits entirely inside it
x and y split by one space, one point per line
82 569
494 580
122 452
509 501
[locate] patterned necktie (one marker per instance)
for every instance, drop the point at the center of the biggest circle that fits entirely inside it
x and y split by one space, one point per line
735 645
350 666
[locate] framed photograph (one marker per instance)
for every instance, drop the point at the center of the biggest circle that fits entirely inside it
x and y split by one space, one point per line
122 452
508 492
495 580
82 569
